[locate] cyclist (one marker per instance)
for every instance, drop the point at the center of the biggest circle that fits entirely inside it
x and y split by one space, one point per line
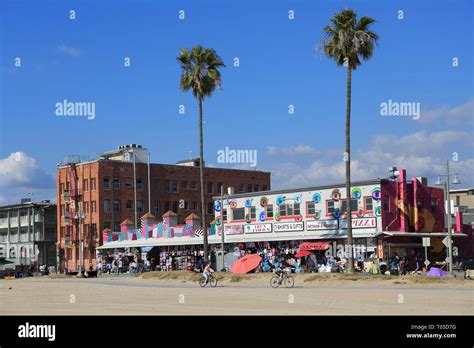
207 271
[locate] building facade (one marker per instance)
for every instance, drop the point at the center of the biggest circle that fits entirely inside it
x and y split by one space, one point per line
28 233
101 194
462 200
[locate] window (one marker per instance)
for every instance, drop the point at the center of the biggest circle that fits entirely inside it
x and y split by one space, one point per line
139 206
93 207
139 184
106 206
116 227
256 188
385 203
289 209
354 207
219 188
238 214
128 182
156 207
310 208
86 207
264 187
224 214
167 186
156 185
419 202
184 185
241 188
329 207
167 206
129 204
368 205
210 188
253 213
116 184
93 187
194 206
210 208
106 183
116 206
85 185
434 203
175 207
296 209
269 211
193 185
174 186
249 188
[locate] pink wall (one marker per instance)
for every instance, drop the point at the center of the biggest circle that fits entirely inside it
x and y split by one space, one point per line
422 209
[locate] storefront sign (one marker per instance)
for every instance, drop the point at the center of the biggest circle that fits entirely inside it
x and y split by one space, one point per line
361 223
258 228
288 226
314 225
233 229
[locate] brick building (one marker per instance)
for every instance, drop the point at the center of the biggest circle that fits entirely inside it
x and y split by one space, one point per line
100 194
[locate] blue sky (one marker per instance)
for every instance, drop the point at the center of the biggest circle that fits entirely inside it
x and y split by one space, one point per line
82 60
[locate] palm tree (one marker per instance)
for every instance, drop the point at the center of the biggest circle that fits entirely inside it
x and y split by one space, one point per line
345 42
200 74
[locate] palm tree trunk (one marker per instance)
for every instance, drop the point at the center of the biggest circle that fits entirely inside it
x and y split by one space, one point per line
201 177
348 171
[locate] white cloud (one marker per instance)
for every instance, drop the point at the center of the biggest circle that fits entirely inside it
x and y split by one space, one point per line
70 51
421 154
453 115
292 151
21 171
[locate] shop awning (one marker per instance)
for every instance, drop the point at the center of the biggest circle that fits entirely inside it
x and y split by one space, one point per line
423 234
314 245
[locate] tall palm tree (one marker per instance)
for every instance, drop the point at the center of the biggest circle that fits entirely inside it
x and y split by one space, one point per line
345 41
200 74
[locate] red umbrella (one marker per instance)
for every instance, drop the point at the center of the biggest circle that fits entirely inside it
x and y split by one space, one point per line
246 264
302 253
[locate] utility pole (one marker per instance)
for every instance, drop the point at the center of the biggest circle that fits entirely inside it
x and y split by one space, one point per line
222 225
450 246
449 243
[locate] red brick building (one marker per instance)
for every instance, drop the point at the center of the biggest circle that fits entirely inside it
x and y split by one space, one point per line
100 194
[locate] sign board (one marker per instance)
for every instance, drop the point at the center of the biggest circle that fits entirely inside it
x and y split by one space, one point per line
258 228
288 226
379 249
315 225
427 263
426 241
233 229
370 222
445 242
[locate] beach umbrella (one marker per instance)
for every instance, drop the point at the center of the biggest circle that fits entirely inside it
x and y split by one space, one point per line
437 272
246 264
302 253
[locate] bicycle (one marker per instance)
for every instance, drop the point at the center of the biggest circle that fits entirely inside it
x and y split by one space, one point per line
212 281
282 277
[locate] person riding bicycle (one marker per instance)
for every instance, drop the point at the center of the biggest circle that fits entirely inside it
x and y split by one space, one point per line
207 271
278 271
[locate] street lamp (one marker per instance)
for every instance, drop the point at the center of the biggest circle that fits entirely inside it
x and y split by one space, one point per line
445 182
